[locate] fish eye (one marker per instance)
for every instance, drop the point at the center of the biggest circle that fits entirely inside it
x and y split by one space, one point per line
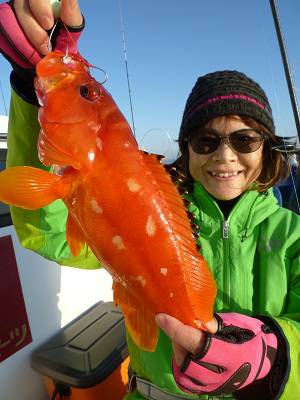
90 92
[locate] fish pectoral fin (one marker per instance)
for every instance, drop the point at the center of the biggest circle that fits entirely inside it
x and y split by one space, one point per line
50 154
139 321
75 237
30 188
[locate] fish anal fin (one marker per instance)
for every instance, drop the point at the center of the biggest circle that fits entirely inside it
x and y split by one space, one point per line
139 321
75 236
31 188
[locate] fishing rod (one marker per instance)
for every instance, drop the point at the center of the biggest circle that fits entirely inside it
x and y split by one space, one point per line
286 66
291 89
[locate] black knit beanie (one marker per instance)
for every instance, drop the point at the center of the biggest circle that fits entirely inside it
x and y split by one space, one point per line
225 93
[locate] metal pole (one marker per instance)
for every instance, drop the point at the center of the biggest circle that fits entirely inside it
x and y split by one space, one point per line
286 66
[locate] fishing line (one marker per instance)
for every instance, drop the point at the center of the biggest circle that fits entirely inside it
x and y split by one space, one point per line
126 64
50 36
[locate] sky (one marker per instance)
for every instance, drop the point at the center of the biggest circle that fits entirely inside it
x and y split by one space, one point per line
170 43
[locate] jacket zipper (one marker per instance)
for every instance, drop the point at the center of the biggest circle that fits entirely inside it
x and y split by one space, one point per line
225 235
225 229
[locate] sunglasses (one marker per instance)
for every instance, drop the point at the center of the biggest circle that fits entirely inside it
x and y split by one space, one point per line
206 141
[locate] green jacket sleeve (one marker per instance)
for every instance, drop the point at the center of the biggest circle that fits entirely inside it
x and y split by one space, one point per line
290 325
42 230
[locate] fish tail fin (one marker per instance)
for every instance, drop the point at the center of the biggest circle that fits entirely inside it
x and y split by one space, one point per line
139 321
31 188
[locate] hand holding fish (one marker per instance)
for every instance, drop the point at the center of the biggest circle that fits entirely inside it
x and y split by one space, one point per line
100 171
185 339
238 351
26 24
36 18
97 168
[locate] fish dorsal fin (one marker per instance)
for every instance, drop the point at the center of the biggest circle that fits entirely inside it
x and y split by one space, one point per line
139 321
200 279
31 188
75 236
50 154
178 212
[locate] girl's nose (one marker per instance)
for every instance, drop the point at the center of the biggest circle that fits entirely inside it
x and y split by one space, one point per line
224 153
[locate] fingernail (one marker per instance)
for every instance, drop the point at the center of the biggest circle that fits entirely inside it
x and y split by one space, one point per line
46 48
160 319
47 22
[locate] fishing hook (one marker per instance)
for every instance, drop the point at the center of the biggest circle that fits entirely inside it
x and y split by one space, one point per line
104 72
66 56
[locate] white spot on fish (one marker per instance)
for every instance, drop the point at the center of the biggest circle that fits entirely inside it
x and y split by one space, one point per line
171 295
91 155
99 143
133 185
150 226
164 271
140 279
95 206
118 242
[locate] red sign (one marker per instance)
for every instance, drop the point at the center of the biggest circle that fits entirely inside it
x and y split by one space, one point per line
14 327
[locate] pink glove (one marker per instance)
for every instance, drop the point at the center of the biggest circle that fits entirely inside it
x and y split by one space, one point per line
13 43
18 50
23 57
241 352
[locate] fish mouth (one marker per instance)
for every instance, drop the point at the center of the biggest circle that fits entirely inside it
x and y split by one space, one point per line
47 83
44 85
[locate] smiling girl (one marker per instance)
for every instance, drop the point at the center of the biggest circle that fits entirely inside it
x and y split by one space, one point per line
251 349
229 162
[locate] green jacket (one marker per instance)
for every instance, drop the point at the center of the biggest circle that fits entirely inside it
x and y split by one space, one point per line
255 257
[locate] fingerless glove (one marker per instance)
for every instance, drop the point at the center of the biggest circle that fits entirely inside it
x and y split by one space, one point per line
242 352
22 56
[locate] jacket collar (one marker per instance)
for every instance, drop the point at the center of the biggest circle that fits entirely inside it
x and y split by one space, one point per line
251 209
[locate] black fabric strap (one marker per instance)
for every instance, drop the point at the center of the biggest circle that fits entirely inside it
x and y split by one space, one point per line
22 86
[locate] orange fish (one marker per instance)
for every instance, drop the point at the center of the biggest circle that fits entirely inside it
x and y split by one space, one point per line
121 201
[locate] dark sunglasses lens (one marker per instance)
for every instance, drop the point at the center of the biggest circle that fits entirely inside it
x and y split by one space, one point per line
204 143
246 141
